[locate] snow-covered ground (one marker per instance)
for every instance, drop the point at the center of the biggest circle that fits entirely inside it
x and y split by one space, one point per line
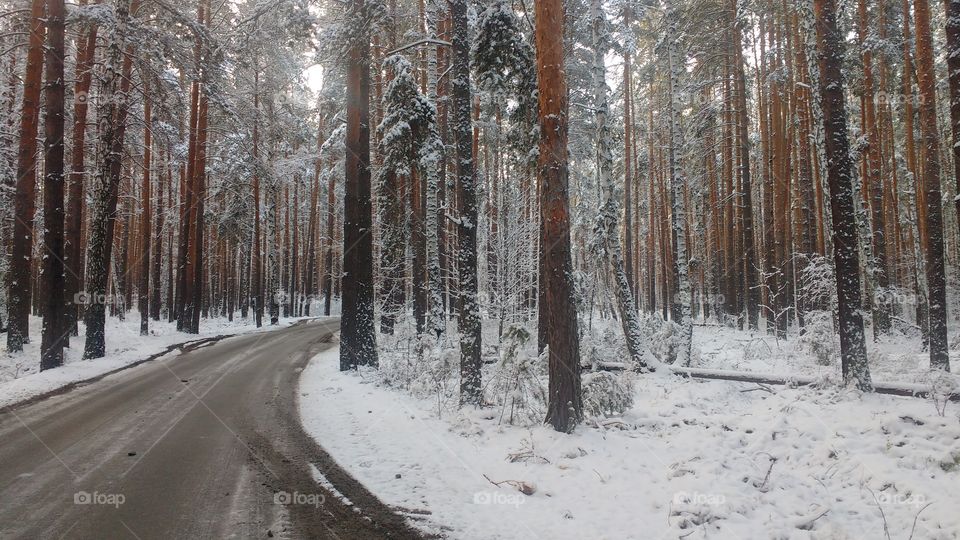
21 379
895 358
689 459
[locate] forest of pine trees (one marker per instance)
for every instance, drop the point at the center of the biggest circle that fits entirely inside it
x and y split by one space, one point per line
459 170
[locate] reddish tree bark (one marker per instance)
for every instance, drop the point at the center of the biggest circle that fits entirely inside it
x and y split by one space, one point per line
24 202
930 137
557 308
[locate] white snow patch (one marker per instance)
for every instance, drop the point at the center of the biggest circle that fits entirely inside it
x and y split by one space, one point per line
693 459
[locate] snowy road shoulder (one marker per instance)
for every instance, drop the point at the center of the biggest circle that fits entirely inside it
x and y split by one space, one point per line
691 458
21 380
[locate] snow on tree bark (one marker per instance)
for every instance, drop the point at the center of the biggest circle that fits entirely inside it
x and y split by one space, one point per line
73 250
853 352
677 183
608 219
469 322
114 92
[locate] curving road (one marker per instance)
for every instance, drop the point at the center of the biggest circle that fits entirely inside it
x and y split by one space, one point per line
203 444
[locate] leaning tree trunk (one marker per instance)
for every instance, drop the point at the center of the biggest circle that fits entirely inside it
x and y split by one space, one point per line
930 135
608 221
51 346
24 203
358 335
557 307
853 351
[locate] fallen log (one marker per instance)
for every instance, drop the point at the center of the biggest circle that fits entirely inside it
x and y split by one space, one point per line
893 389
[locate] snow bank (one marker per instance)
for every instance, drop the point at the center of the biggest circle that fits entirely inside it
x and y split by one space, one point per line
21 379
693 459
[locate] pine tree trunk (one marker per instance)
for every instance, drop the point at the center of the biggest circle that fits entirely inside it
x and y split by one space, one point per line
146 235
952 8
86 51
874 180
51 347
358 337
853 351
559 313
677 183
468 320
112 127
157 241
256 264
24 202
199 227
751 276
930 137
609 214
329 275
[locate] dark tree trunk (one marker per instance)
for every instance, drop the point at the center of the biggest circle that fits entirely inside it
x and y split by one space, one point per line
157 259
112 127
199 228
752 277
51 346
952 8
559 313
143 290
469 323
311 263
358 335
328 271
256 257
853 352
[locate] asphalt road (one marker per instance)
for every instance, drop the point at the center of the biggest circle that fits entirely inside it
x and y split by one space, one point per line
202 444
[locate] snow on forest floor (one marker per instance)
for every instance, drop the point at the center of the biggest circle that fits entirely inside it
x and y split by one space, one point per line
689 459
896 358
20 376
